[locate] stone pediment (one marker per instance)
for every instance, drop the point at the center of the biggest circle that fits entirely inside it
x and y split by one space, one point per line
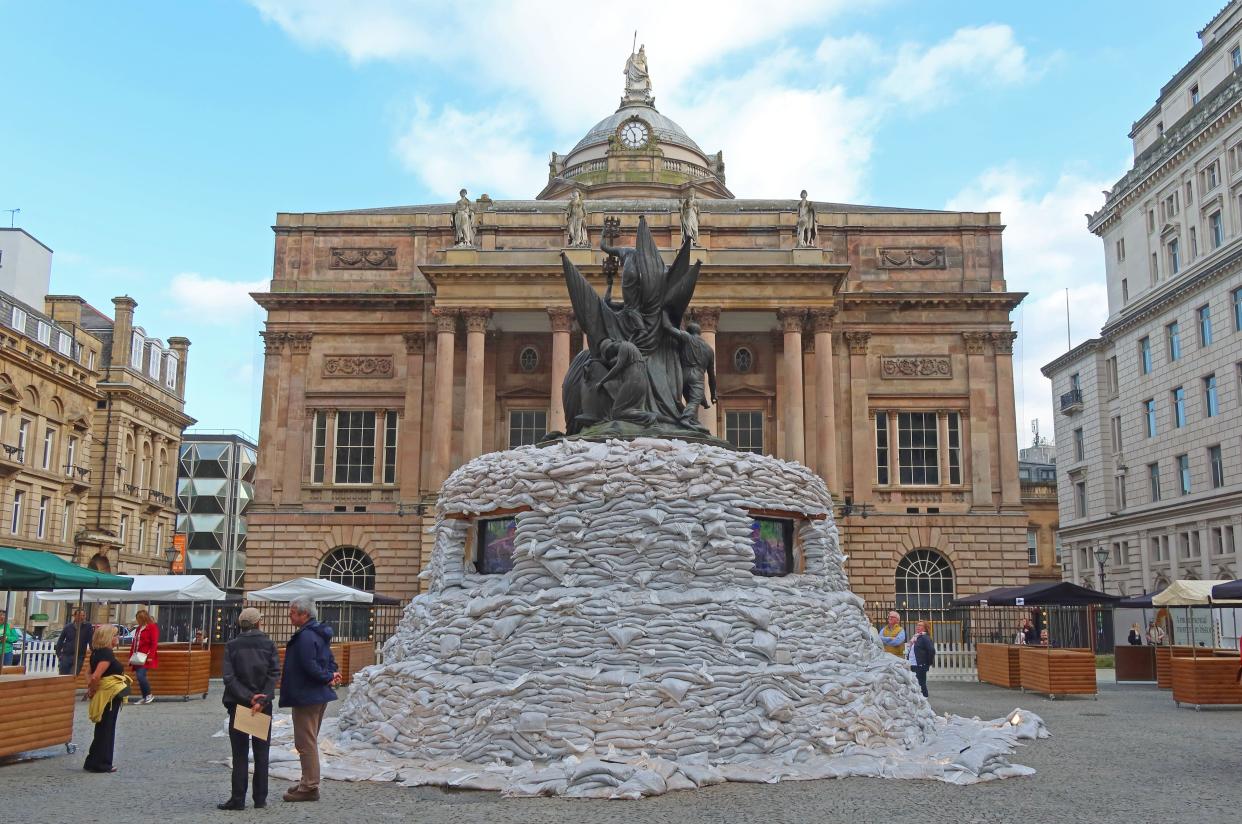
745 392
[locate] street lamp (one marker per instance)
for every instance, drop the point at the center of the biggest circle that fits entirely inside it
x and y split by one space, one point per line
1101 558
172 554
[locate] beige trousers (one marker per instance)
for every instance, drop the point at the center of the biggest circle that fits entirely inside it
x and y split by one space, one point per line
306 722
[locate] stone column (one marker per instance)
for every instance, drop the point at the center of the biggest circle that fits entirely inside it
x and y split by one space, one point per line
269 415
442 409
1205 551
1144 546
295 451
861 450
825 403
708 319
980 447
1006 419
1172 548
472 420
561 318
791 325
410 431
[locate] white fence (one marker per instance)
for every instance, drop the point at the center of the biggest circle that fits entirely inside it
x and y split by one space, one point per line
39 658
955 661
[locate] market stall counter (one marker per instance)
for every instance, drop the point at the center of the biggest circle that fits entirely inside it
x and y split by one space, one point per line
1051 671
1135 663
1207 678
181 672
999 664
46 717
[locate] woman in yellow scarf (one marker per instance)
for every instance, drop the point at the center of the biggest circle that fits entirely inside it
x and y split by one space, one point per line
106 690
894 636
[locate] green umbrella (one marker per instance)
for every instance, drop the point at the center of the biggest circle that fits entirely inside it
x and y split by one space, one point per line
26 569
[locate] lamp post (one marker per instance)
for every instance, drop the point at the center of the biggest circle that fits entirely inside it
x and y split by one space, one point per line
1101 558
172 554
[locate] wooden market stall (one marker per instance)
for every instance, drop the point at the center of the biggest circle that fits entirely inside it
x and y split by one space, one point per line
999 664
1134 663
1198 675
38 709
1051 671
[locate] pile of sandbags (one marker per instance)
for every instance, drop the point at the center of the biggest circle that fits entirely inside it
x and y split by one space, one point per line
631 650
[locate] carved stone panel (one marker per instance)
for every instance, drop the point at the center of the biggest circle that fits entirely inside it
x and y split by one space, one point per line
363 257
357 366
916 367
910 257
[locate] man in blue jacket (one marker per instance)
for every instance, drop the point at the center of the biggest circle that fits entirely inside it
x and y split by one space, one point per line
73 643
306 684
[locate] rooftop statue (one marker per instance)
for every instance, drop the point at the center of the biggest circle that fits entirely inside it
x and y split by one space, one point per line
640 374
465 221
637 80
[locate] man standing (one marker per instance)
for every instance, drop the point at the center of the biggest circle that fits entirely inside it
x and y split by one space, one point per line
9 636
72 644
250 667
306 685
921 654
893 635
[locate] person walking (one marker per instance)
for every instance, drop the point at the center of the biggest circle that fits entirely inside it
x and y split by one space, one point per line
107 687
144 653
74 641
9 635
250 668
893 635
921 655
306 684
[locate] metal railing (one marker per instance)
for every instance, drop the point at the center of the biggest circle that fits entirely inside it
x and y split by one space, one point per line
1071 400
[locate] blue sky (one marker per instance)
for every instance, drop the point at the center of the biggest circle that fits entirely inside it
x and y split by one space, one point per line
150 144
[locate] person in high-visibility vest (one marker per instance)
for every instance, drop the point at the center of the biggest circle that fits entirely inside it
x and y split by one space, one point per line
893 635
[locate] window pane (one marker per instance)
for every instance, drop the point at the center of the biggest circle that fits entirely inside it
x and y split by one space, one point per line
772 541
494 554
917 448
355 447
745 431
527 427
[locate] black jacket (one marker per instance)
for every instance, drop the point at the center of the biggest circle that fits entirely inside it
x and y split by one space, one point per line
924 651
72 640
250 666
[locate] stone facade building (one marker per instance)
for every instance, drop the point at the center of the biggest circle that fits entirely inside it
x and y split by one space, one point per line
1149 460
69 400
871 343
1037 472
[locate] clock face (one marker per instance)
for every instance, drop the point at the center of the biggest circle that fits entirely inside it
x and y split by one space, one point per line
634 135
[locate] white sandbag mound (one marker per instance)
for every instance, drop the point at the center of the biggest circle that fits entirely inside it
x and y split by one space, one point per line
631 651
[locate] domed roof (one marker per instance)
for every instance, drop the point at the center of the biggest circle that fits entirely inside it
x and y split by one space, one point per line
663 129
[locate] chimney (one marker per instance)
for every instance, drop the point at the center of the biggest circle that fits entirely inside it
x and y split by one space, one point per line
181 346
122 329
66 309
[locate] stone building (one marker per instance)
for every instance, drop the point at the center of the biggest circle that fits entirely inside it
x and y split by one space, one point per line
871 343
1037 473
88 433
1149 461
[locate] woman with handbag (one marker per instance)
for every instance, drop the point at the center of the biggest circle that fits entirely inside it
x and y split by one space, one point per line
144 653
106 689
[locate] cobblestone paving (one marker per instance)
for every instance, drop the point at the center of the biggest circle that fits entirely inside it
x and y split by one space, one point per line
1130 756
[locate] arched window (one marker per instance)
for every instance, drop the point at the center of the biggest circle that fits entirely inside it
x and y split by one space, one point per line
350 566
924 580
528 360
743 359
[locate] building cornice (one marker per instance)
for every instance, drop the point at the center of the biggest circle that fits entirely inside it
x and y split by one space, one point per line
1148 518
1086 347
957 300
342 300
1158 301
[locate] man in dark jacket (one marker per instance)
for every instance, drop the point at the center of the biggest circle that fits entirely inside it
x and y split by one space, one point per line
306 685
74 641
250 668
921 655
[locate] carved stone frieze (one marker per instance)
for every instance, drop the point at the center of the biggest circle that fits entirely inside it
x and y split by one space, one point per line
924 366
363 257
857 342
910 257
357 366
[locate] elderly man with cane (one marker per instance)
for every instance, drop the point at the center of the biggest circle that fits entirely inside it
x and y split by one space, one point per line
306 684
250 668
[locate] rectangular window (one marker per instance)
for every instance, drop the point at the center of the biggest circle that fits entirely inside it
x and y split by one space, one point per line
390 447
1115 429
494 547
527 426
1190 192
1151 222
41 530
1145 355
153 362
1080 499
1125 290
918 448
1032 547
1075 381
136 344
44 333
1217 465
955 447
319 445
1119 491
158 549
1153 477
1194 95
1183 474
772 541
881 448
1175 264
1237 310
15 522
23 438
64 344
1114 385
18 317
49 447
122 529
1194 243
142 536
1235 58
66 523
170 370
1179 407
355 448
1211 403
1149 412
1212 176
1217 227
1204 313
1155 268
1173 336
1080 449
745 431
1121 250
71 455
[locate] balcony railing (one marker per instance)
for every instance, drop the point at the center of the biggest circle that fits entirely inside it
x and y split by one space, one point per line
132 489
158 497
1071 401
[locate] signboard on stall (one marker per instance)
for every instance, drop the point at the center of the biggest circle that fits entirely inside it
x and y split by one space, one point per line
1193 627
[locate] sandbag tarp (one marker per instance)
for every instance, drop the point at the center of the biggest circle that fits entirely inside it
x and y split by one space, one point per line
1047 593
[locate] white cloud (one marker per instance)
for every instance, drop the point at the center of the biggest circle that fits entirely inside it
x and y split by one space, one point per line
215 300
841 55
980 55
1047 249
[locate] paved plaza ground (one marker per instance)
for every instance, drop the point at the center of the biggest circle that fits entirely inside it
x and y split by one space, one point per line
1130 756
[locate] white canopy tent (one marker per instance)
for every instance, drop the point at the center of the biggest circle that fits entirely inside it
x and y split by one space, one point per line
317 589
147 589
1182 593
